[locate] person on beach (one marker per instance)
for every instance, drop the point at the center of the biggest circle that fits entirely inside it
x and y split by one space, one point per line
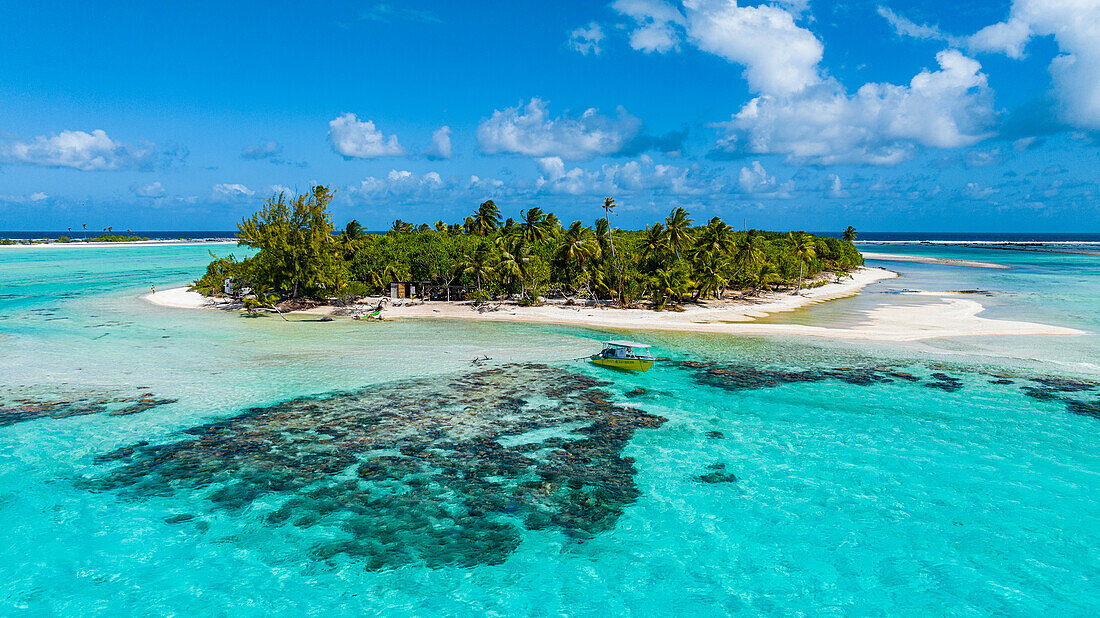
154 288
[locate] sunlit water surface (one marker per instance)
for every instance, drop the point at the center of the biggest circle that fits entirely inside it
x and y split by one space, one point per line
153 466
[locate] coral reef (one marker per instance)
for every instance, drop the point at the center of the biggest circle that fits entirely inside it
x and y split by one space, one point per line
440 472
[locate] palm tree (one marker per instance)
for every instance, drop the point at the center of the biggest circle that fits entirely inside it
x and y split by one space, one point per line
709 272
353 231
535 225
513 264
763 277
400 226
553 224
608 206
373 278
654 245
85 230
440 226
603 237
804 249
716 237
748 251
669 283
487 218
678 229
849 233
575 248
478 265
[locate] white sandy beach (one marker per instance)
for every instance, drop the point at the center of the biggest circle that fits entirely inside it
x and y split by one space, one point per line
183 298
954 317
922 259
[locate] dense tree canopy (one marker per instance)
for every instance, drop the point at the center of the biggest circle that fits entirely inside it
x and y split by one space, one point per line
532 256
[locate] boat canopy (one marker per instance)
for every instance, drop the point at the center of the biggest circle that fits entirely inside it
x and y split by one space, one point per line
627 344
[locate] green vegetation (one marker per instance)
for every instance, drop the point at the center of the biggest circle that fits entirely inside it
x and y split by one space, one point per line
108 238
667 263
66 239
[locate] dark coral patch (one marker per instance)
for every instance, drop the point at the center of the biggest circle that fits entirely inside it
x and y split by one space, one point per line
1087 408
1065 390
19 409
717 474
440 472
1065 385
944 382
747 377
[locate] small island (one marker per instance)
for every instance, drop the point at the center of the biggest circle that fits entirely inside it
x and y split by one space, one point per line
487 262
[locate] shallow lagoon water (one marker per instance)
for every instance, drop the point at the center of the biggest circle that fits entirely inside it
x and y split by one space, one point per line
858 489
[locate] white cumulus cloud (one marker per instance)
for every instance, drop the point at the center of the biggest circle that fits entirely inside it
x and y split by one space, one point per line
880 124
529 130
441 144
94 151
407 186
232 191
657 24
779 56
356 139
640 175
586 39
755 179
152 190
1075 26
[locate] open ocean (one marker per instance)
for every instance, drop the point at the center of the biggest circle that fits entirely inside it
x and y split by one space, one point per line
179 462
1013 237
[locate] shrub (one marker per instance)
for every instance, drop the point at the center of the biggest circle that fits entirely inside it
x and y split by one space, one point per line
352 292
478 297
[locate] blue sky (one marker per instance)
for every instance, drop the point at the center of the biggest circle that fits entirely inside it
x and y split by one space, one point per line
889 116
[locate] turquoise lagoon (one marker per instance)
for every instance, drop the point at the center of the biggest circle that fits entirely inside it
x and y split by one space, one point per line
167 461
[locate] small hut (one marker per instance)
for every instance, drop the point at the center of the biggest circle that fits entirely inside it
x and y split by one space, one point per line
426 290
